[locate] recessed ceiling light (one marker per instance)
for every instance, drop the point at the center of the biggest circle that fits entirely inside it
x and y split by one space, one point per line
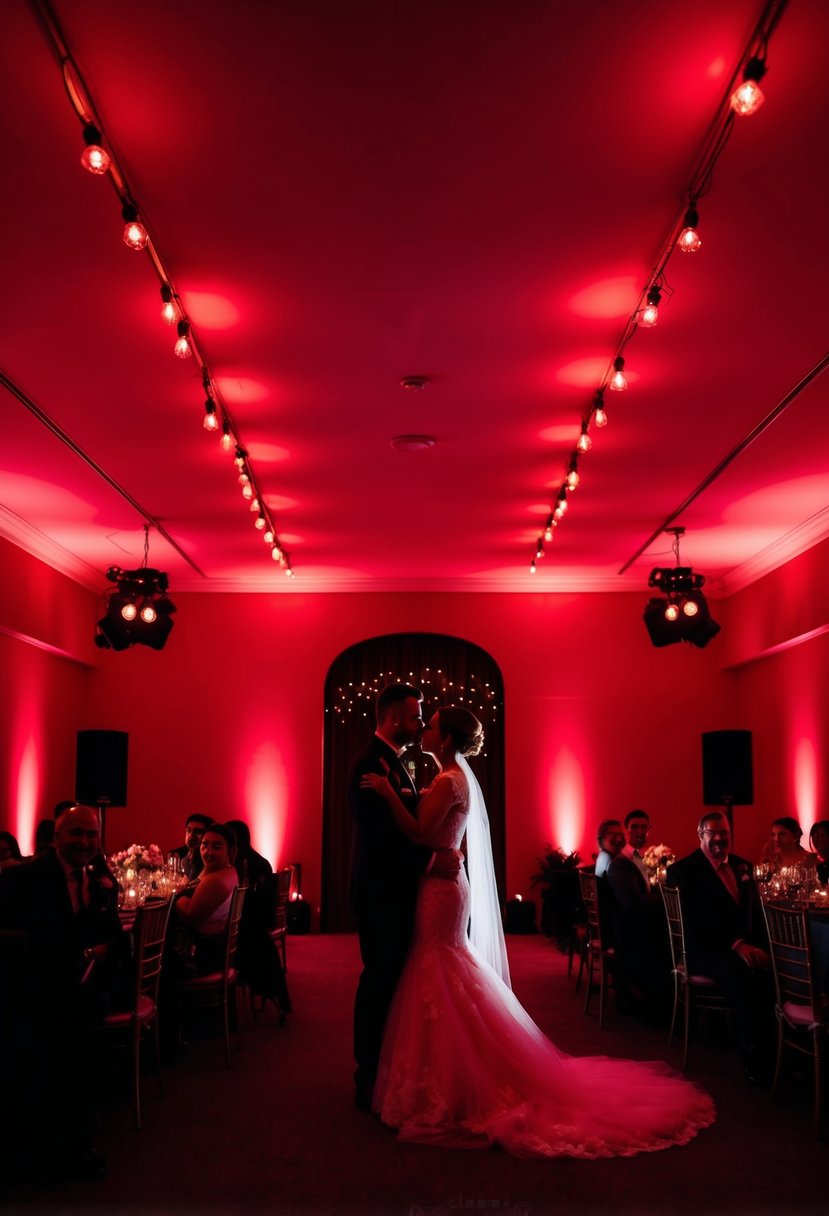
412 443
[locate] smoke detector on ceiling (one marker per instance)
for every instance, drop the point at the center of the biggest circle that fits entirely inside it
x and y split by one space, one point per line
412 443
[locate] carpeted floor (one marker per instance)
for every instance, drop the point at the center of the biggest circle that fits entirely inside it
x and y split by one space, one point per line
278 1132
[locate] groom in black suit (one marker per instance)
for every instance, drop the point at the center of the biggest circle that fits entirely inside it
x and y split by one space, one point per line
385 867
725 934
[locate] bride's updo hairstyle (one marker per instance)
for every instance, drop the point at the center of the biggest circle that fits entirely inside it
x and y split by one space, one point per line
463 728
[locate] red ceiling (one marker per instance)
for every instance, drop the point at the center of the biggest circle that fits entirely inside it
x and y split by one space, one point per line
347 192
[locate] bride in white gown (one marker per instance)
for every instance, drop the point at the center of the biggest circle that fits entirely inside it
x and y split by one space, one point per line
462 1063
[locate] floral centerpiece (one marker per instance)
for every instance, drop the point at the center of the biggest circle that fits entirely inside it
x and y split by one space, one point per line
561 905
657 858
138 857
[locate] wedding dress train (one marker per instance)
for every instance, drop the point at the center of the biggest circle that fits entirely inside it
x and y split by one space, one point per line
463 1064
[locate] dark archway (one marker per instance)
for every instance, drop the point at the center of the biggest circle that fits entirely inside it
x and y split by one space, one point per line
449 671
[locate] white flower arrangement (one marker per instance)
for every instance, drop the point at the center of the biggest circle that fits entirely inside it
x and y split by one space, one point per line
657 856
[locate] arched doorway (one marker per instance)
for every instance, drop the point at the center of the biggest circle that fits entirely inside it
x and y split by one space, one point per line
449 671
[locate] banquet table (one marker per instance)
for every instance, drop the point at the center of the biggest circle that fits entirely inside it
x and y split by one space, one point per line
819 929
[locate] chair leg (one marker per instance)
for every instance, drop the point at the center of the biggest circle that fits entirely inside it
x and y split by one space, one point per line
779 1061
686 1029
136 1070
674 1013
589 984
226 1012
818 1078
157 1050
602 990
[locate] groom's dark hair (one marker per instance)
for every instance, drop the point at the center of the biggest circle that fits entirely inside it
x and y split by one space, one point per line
391 695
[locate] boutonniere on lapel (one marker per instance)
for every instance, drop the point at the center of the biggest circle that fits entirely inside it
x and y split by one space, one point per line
743 873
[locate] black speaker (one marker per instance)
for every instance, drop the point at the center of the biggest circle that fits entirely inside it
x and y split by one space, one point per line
727 771
101 768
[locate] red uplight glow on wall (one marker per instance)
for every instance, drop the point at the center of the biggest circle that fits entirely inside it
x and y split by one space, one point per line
805 784
266 797
566 801
26 795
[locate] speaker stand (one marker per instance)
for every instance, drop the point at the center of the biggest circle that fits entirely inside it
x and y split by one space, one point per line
102 819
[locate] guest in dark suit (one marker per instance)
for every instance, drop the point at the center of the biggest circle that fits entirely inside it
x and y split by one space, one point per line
385 867
65 903
195 825
725 935
640 929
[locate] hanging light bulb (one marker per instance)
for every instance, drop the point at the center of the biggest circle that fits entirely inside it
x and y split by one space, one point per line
182 347
618 381
548 531
650 313
93 158
585 443
690 607
539 547
239 458
532 566
268 536
671 612
259 522
689 241
748 98
599 414
129 612
247 491
243 479
169 312
227 436
148 614
572 480
289 572
276 553
254 504
562 507
135 234
211 422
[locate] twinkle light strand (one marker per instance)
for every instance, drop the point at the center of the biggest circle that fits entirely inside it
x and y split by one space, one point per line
99 158
683 235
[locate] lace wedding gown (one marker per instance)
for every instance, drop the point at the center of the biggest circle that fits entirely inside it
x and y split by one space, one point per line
463 1065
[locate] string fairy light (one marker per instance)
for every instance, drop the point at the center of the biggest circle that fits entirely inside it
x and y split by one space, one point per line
745 99
99 158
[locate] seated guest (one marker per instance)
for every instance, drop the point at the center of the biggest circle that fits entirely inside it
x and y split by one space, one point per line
819 842
190 851
611 841
44 837
725 935
203 908
10 854
640 928
260 966
65 902
784 848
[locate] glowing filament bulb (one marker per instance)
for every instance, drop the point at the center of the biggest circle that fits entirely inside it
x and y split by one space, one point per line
136 235
211 422
247 491
600 417
539 547
650 313
748 98
532 566
95 159
689 241
227 439
169 312
671 612
690 608
239 458
259 522
243 479
254 504
268 536
618 381
548 531
276 553
585 443
572 480
129 612
148 614
289 572
182 346
561 508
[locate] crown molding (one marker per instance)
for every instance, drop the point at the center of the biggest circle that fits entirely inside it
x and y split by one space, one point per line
29 538
790 545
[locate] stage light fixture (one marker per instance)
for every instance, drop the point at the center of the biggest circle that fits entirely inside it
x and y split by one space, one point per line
683 615
138 609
